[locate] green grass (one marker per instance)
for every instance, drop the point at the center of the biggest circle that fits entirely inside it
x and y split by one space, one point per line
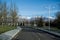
5 28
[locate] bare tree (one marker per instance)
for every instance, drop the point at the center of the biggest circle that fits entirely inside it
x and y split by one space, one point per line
0 12
13 14
4 12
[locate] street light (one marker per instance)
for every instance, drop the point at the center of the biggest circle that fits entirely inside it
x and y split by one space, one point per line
49 10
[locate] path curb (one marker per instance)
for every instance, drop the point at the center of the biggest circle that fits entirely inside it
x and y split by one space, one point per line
10 34
50 32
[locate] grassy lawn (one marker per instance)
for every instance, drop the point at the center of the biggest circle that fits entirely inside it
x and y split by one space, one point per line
5 28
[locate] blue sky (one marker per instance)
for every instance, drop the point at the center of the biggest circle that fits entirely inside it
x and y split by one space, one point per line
36 7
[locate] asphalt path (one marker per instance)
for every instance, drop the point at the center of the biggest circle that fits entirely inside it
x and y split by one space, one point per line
33 34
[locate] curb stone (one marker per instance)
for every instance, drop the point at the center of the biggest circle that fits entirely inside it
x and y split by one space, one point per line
10 34
50 32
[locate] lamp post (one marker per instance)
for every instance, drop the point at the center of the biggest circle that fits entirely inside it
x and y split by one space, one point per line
49 17
49 11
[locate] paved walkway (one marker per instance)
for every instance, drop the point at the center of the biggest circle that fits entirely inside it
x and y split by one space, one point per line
10 34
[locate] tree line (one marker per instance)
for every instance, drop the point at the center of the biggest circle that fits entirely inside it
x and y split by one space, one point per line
41 22
8 14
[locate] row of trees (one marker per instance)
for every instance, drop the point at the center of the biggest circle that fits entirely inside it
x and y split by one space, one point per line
41 22
8 15
38 21
55 23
